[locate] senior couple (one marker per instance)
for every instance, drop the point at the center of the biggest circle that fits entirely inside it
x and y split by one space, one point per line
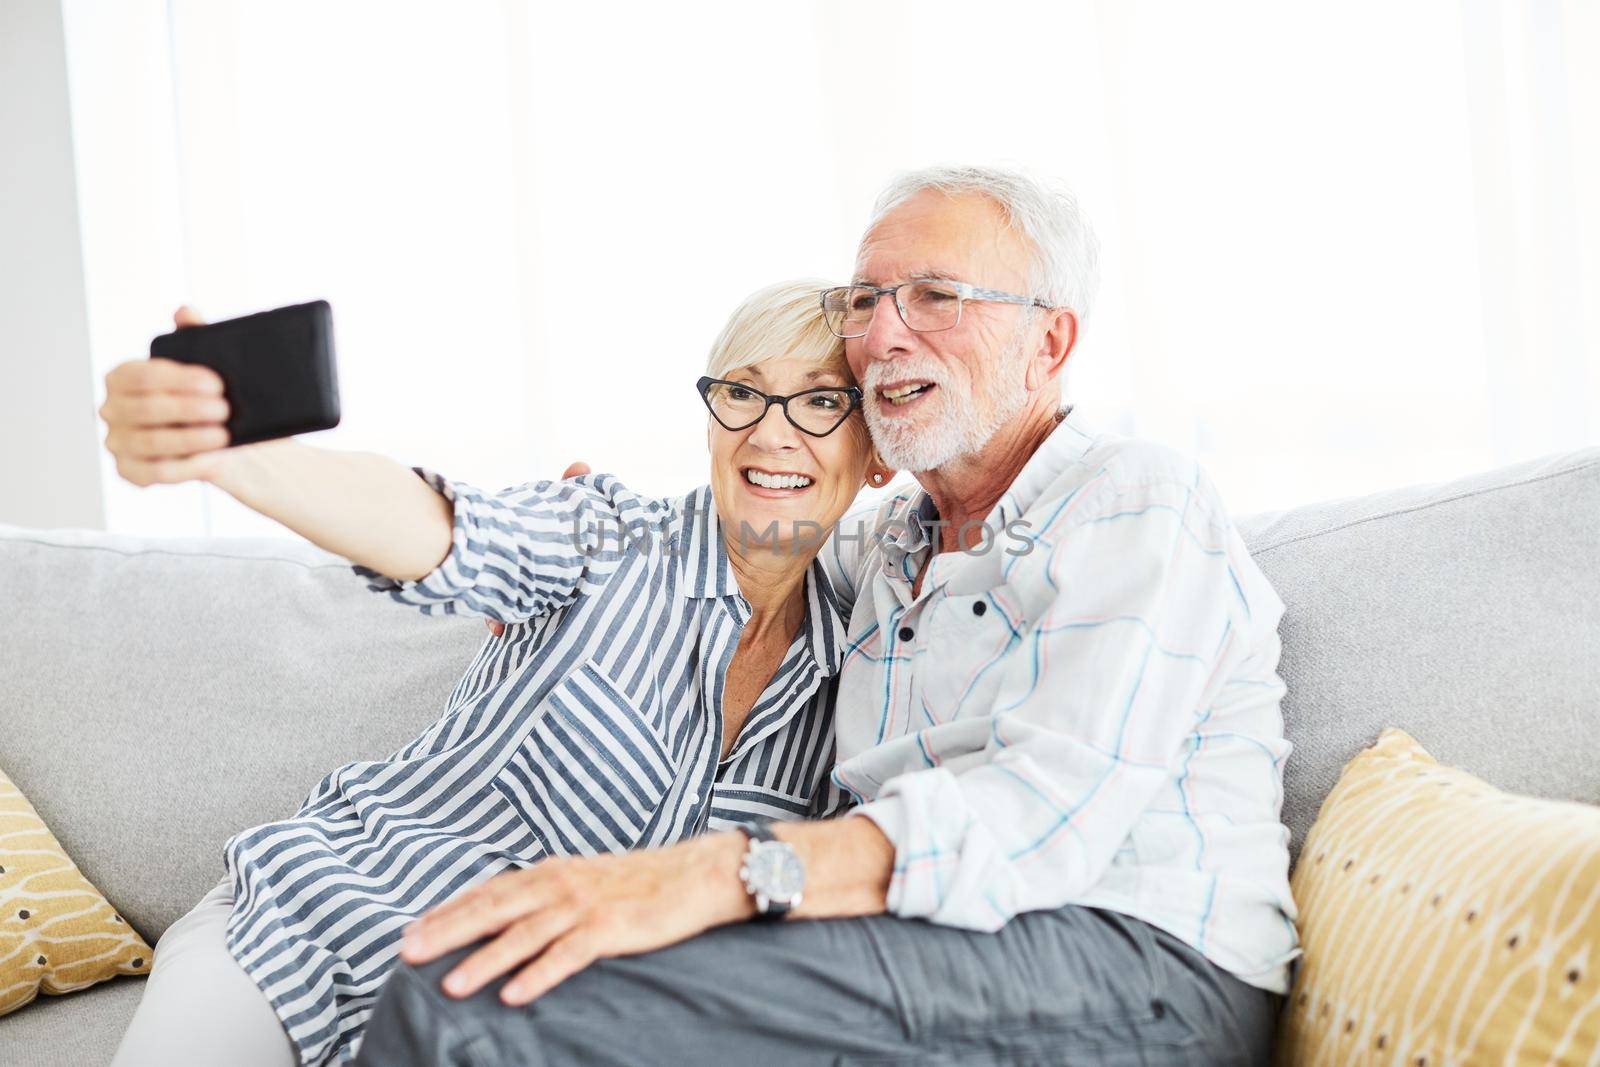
993 775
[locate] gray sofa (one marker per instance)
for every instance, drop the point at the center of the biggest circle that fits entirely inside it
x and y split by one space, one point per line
160 694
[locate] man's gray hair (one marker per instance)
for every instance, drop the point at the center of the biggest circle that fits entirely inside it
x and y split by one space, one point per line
1066 254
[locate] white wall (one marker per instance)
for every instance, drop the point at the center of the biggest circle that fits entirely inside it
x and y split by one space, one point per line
1346 247
48 436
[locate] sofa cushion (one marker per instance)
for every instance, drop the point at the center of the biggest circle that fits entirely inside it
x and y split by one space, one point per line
58 934
164 694
1444 921
1466 613
82 1030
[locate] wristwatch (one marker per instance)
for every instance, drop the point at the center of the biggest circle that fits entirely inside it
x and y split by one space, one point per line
772 872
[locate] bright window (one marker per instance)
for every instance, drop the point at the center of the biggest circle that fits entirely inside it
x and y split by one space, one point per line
1346 247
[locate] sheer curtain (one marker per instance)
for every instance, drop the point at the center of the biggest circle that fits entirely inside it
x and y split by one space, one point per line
1346 247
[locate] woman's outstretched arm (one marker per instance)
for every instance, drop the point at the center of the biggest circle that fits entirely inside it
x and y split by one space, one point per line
166 422
368 508
527 549
441 545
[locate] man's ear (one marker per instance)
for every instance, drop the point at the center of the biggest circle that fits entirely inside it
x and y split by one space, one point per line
1060 338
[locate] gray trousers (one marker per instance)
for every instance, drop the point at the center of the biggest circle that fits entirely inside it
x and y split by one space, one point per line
1073 986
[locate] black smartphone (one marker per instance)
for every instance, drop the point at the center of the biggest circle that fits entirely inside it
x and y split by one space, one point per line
277 369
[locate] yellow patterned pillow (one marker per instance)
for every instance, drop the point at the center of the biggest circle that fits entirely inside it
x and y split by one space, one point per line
57 933
1444 921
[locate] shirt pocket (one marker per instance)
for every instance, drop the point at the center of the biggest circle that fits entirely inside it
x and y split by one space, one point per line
744 802
967 646
591 775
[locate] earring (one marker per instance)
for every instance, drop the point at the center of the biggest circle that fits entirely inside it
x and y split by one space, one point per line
877 479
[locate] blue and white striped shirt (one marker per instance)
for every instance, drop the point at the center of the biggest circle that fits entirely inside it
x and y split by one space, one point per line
592 724
1087 712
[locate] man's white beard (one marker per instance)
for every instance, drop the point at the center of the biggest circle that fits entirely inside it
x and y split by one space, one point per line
953 425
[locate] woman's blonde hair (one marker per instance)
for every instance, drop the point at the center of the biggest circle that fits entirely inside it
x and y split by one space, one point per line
782 320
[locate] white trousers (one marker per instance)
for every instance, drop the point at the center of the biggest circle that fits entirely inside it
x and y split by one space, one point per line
199 1006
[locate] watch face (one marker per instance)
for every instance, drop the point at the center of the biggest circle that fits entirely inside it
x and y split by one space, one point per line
776 872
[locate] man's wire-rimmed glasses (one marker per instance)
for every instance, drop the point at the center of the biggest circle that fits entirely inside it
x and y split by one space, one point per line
739 405
926 305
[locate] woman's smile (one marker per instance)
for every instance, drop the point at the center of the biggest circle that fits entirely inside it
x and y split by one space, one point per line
776 484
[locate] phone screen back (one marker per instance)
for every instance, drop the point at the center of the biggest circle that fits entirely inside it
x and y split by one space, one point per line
277 369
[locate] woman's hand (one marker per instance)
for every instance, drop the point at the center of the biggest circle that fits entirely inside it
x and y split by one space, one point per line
165 418
565 912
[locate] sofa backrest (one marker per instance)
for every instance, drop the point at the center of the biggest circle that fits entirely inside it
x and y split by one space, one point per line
1466 613
158 695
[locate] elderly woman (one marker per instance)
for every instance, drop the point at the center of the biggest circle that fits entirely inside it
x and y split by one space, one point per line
663 670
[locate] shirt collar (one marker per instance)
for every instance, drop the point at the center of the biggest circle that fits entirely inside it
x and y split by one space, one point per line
708 574
707 571
909 532
1066 444
824 620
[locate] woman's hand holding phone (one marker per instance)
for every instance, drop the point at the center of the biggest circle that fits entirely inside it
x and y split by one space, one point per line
166 423
165 420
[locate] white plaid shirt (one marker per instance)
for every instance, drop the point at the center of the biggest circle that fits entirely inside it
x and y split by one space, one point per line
1087 713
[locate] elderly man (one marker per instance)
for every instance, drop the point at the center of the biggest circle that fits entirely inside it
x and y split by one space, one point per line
1060 749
